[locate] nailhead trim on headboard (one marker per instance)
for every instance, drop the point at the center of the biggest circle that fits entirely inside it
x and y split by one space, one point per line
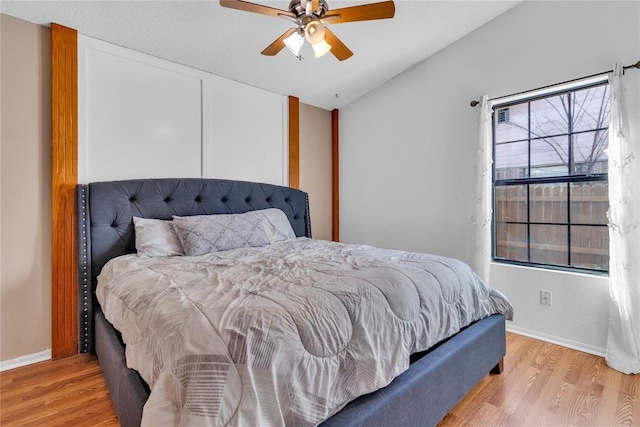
308 216
84 293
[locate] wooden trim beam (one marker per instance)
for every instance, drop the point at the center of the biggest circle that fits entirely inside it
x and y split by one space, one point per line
294 142
335 176
64 179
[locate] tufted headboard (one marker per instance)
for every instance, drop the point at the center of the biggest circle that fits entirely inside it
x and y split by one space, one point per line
106 211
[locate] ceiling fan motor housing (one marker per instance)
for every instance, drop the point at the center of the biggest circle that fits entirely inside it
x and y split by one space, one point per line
296 8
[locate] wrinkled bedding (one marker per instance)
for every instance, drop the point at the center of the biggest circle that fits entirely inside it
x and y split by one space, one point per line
285 334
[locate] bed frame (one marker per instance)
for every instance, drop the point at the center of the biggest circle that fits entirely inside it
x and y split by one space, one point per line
421 396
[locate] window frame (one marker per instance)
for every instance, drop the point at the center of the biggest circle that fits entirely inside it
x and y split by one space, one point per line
568 179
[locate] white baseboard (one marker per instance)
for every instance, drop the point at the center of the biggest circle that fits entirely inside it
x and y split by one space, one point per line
585 348
25 360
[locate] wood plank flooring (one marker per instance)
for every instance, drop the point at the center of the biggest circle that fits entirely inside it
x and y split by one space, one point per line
548 385
65 392
542 385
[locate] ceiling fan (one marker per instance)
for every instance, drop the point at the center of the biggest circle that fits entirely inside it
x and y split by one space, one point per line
311 17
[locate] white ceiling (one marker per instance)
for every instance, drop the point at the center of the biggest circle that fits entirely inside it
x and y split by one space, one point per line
227 42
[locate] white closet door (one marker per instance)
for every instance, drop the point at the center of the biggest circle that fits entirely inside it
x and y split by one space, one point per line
144 117
244 134
141 116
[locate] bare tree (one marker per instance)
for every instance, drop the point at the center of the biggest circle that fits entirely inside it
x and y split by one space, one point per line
585 112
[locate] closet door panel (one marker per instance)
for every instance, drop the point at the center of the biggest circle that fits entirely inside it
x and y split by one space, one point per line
142 116
244 134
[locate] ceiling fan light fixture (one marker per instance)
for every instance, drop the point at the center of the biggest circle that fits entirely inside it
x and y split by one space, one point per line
294 42
321 48
310 25
314 32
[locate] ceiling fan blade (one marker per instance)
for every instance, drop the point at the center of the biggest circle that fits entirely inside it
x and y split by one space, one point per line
278 44
255 8
338 49
365 12
316 4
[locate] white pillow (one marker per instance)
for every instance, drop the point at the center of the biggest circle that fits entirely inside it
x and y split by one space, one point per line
156 237
203 234
276 225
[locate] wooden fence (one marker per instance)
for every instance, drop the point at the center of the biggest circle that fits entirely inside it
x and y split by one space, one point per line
556 213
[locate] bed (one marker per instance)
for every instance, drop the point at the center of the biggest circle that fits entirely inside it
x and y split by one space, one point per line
421 395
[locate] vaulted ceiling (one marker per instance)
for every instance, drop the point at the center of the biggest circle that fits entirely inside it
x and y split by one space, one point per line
227 42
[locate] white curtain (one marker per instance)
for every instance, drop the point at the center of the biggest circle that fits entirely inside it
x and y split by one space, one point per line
623 340
481 219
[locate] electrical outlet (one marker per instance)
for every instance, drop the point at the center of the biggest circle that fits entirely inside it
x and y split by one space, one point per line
545 297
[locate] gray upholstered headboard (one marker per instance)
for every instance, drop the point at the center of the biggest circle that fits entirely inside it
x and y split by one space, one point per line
106 211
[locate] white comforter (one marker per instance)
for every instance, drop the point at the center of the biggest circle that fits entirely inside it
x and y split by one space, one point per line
283 334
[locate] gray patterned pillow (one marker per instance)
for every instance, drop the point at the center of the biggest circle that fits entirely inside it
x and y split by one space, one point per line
203 234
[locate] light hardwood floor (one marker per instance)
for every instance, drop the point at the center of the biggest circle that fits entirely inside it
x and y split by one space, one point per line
65 392
542 385
548 385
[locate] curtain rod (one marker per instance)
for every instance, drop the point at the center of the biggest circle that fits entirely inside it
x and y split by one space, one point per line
626 67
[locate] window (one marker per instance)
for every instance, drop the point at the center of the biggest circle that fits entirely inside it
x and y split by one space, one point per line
503 115
550 180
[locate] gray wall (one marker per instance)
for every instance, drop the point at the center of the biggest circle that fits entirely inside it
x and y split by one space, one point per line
25 176
315 167
408 148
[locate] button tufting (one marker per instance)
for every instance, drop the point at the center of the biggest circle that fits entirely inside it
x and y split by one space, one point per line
167 199
198 199
223 200
132 199
247 200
